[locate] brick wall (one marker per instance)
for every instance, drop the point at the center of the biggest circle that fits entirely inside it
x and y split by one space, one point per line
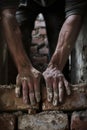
14 115
71 115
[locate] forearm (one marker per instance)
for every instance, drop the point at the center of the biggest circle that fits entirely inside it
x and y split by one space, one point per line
14 41
66 41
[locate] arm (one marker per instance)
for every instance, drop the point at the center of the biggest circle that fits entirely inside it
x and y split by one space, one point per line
28 77
66 42
55 81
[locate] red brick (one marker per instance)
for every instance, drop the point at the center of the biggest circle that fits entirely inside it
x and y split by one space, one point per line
40 59
33 49
77 100
51 120
7 122
79 120
38 40
9 102
42 31
44 50
39 24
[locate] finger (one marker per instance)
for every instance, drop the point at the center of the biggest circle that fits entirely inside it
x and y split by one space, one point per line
18 87
37 90
55 93
49 94
61 91
67 86
18 91
49 91
31 93
25 92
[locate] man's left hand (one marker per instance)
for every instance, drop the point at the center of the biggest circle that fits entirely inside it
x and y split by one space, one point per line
56 85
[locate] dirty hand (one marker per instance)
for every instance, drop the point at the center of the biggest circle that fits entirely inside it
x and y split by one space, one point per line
29 81
56 85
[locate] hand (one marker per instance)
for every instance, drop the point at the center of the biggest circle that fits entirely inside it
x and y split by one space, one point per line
56 85
29 80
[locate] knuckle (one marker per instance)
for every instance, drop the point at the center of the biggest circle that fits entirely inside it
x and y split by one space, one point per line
31 93
55 79
37 77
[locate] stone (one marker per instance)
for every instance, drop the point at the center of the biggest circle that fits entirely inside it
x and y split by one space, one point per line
76 101
9 102
79 120
7 122
52 120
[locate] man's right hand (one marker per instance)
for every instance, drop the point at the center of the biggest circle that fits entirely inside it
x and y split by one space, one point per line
29 80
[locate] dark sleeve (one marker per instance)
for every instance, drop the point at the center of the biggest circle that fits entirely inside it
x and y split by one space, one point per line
73 7
8 4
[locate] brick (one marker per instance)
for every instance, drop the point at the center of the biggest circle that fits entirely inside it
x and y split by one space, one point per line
9 102
42 31
52 120
44 50
40 24
40 59
77 100
7 122
33 49
37 40
39 32
79 120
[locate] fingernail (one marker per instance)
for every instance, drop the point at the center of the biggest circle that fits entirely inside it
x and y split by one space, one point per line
38 97
17 92
49 97
54 102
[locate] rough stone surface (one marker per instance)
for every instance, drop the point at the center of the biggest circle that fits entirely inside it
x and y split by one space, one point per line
79 120
7 122
39 24
9 102
77 100
51 120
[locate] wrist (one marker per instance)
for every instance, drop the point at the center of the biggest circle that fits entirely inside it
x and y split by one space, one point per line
55 60
23 63
24 66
